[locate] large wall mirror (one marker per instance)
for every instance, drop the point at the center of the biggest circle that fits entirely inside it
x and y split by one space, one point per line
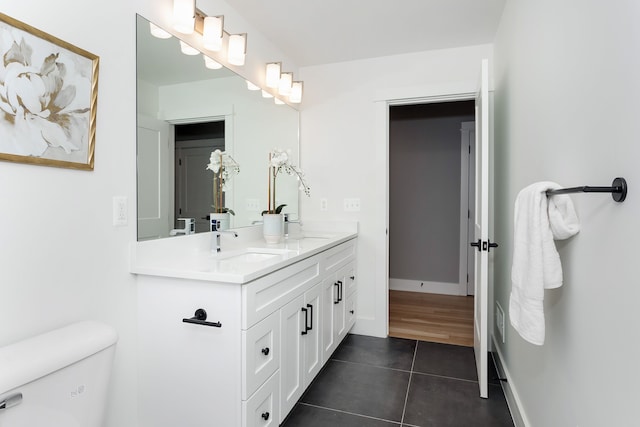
185 111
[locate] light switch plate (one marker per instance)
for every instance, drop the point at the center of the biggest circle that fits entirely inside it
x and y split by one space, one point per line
120 211
352 205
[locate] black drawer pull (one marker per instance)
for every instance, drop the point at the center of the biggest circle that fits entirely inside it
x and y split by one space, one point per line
337 300
306 328
200 317
265 416
265 351
339 290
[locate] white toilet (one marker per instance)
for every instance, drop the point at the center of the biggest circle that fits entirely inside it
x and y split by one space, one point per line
57 379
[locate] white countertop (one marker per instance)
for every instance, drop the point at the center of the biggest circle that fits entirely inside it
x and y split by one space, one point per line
241 260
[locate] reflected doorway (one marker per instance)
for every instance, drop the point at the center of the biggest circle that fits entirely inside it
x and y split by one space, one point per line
193 181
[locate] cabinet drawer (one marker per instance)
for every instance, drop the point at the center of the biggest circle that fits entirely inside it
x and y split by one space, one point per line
261 352
351 313
347 276
268 294
263 408
335 257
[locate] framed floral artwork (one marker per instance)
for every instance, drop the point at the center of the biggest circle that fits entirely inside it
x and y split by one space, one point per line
48 98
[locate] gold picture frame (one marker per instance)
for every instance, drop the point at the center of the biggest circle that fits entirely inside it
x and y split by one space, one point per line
48 98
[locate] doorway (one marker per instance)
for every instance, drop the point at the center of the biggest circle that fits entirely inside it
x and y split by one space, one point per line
430 202
193 182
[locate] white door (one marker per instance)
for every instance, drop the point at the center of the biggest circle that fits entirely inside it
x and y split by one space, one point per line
480 339
154 193
291 368
312 338
194 182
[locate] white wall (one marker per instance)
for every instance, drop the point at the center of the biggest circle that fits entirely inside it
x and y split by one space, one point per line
344 147
62 260
566 103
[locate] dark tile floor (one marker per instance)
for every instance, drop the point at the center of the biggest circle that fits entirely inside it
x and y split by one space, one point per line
393 382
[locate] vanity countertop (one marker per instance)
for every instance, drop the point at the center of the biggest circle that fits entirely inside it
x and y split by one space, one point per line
241 260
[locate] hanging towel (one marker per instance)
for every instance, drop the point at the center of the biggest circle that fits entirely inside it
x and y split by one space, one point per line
538 220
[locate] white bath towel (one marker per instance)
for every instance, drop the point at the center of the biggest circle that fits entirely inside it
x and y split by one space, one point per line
538 220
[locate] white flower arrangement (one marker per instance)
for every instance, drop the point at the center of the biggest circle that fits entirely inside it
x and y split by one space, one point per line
224 167
279 161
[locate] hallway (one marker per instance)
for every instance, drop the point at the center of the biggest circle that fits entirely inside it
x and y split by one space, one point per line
392 382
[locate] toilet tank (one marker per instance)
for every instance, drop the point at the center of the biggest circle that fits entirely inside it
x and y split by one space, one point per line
57 379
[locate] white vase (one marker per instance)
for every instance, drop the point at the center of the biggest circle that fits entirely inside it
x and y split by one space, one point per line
272 227
223 218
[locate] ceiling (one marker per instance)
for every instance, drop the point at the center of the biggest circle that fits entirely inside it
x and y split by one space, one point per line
313 32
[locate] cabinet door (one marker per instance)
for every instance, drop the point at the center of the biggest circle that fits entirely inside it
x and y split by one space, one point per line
329 297
291 372
339 312
312 340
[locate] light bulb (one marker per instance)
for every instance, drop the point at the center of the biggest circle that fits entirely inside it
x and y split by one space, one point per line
184 16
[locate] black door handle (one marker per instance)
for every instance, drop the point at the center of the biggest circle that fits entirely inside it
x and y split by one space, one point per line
477 244
491 245
306 328
339 290
337 301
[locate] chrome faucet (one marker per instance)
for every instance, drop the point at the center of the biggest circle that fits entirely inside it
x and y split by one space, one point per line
189 227
287 221
215 241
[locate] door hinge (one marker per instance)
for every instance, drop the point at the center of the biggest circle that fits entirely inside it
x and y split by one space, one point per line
468 213
180 211
467 277
179 162
469 148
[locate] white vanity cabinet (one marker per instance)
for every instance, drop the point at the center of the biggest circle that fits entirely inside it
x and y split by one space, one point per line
260 346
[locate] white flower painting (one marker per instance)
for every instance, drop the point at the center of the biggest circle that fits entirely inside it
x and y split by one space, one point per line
47 98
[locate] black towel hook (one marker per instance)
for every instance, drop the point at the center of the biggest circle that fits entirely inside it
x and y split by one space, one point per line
618 190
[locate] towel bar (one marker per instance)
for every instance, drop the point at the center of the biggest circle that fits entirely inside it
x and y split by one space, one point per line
618 190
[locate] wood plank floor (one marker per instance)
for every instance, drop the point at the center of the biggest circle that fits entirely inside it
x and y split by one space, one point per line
445 319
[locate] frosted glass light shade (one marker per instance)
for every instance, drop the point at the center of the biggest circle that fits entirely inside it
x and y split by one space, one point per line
184 16
284 87
237 49
158 32
251 86
266 94
188 50
296 93
211 63
212 33
272 76
278 101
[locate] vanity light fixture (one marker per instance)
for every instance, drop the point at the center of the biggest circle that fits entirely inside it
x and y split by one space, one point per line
296 93
237 49
188 50
184 16
266 94
272 74
251 86
211 63
212 32
158 32
284 87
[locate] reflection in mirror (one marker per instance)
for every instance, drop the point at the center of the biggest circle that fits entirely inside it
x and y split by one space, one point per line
186 111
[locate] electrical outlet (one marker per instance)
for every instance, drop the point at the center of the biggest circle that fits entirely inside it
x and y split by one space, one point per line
324 204
253 205
352 205
120 210
500 320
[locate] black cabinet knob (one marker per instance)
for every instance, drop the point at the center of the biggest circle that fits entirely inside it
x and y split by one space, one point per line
352 277
265 351
265 416
351 311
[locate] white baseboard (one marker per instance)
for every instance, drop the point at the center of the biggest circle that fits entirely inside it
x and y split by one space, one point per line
510 392
424 286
